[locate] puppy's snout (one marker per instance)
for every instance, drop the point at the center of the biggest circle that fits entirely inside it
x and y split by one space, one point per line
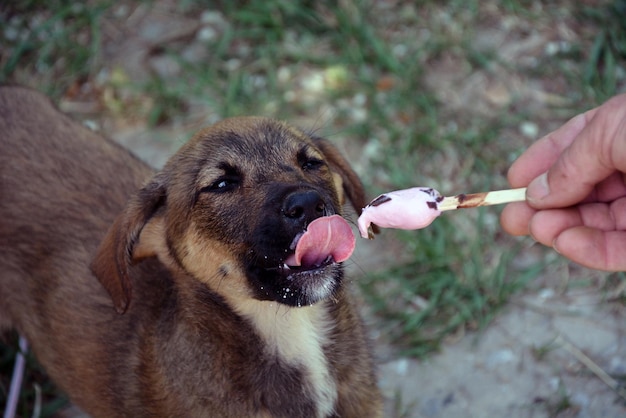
303 207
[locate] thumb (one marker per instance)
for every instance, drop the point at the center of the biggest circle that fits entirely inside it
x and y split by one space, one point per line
590 158
569 181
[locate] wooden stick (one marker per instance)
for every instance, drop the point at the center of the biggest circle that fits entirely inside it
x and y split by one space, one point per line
463 201
584 359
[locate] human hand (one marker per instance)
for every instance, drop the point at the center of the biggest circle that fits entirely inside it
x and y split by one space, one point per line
576 197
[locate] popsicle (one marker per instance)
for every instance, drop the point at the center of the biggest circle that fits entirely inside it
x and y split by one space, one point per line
418 207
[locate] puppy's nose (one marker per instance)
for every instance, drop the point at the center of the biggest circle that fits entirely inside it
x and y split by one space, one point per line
304 207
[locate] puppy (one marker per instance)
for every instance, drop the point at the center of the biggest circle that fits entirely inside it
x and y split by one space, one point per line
180 293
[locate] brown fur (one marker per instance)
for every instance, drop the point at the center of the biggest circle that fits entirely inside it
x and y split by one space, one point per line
175 311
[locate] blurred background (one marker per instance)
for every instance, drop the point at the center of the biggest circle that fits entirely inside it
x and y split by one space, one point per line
466 321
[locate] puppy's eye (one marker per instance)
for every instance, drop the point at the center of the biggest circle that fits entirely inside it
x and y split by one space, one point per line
223 185
312 164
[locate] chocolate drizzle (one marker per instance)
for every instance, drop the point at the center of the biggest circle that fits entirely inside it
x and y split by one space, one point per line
380 200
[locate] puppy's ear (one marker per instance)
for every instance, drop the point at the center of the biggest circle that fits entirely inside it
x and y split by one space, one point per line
115 254
350 183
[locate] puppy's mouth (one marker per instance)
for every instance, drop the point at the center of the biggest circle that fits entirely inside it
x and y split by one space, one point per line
311 271
326 239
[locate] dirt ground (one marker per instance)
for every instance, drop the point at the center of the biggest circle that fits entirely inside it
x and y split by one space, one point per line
548 354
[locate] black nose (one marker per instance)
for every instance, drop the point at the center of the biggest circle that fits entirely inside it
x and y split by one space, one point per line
303 207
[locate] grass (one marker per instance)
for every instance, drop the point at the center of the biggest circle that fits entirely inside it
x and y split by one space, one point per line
418 93
448 286
53 44
603 69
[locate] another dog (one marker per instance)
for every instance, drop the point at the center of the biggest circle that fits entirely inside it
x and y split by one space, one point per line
209 320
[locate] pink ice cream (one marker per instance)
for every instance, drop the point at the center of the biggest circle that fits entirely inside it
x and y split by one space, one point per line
403 209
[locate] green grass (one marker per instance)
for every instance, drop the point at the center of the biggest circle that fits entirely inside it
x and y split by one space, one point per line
363 74
51 43
608 51
451 285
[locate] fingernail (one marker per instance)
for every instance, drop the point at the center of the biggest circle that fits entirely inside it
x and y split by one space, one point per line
538 188
555 247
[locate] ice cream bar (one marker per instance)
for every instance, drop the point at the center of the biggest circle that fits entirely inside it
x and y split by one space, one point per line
418 207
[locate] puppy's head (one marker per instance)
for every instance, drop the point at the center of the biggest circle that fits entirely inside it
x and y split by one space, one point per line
231 207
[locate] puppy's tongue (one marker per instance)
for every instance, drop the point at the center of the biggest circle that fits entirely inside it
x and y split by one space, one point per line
325 236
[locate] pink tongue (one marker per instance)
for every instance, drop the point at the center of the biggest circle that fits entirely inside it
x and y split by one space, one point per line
328 235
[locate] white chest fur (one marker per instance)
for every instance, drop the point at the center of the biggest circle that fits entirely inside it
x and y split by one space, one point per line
297 336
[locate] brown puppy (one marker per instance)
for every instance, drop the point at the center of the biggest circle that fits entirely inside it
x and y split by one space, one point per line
208 318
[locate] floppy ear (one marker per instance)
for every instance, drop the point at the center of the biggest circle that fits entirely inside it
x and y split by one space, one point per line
350 182
115 254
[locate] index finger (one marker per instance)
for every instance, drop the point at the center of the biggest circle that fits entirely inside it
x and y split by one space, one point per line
598 151
540 156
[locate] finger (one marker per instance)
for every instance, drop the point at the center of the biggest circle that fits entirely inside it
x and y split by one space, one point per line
538 158
598 151
610 189
601 250
546 225
515 218
618 213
